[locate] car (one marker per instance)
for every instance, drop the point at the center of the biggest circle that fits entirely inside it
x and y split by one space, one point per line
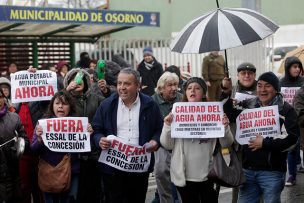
278 53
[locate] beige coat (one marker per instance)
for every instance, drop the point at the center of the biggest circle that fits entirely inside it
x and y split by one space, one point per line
191 159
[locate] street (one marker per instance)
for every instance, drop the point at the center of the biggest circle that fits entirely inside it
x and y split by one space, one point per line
293 194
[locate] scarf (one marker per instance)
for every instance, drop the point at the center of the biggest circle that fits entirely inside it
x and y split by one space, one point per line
277 100
149 66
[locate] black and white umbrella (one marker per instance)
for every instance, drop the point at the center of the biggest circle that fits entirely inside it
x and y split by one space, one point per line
223 29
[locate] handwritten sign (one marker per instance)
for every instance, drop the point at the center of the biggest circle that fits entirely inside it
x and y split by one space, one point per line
125 157
259 121
66 134
28 86
289 93
197 120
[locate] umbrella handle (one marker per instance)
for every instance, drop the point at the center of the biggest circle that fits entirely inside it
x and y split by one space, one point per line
226 65
217 4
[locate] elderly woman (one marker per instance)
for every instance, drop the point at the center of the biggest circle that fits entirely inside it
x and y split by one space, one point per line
191 157
166 94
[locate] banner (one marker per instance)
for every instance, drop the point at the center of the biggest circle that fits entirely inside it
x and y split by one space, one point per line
125 157
197 120
289 93
24 14
28 86
259 121
66 134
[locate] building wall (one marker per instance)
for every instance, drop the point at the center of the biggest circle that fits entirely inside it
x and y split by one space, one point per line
174 14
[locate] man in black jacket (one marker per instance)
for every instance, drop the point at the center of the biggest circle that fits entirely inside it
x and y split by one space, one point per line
264 158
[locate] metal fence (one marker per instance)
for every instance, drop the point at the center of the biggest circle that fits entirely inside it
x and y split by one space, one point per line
132 51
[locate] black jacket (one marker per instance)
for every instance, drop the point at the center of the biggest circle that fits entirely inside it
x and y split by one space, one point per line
273 154
288 80
150 77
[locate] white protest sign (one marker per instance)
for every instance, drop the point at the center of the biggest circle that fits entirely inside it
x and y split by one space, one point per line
197 120
28 86
125 157
241 96
66 134
289 93
259 121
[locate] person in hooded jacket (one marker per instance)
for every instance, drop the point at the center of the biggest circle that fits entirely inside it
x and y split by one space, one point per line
86 104
292 78
150 71
5 85
84 61
62 69
10 127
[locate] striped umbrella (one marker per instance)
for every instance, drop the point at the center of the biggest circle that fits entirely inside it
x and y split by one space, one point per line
223 29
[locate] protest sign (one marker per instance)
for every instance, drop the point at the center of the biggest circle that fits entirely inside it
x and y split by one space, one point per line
197 120
66 134
259 121
241 96
289 93
28 86
125 157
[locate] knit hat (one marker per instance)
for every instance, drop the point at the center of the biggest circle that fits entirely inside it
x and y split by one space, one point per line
148 51
60 64
198 80
246 66
272 79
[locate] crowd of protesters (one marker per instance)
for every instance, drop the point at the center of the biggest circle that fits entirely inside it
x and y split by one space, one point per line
136 107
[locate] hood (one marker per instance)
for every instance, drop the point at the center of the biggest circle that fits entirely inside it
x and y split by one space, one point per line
72 73
4 80
288 63
111 72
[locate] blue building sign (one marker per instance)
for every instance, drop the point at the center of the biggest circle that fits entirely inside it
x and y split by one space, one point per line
18 14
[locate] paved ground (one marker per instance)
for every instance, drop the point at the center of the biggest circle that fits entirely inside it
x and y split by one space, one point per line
294 194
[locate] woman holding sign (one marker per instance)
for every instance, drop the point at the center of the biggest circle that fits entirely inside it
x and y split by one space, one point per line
191 157
61 105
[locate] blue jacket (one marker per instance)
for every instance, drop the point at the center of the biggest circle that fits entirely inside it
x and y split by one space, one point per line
150 123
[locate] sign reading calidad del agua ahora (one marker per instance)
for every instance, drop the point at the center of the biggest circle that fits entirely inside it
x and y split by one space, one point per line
197 120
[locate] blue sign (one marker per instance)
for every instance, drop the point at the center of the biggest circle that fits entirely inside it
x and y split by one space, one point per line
19 14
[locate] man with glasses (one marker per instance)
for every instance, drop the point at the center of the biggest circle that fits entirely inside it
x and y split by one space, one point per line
244 88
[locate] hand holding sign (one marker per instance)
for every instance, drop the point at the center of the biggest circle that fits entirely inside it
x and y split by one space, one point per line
90 129
256 143
39 132
105 143
225 120
151 146
168 119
